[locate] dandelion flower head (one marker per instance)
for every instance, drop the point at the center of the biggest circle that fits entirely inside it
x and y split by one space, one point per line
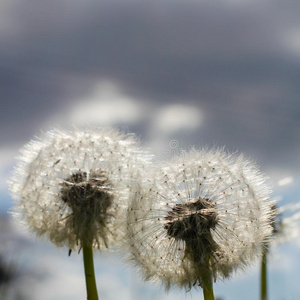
205 212
74 186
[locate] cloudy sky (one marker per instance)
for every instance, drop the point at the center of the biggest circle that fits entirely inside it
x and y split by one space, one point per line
177 73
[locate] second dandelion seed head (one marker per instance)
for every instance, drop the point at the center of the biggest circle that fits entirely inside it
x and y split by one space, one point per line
205 212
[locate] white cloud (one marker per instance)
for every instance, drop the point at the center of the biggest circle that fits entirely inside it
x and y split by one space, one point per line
283 177
167 127
176 117
285 181
291 41
106 106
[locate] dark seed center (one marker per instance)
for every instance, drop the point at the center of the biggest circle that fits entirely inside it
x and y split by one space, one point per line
87 195
192 222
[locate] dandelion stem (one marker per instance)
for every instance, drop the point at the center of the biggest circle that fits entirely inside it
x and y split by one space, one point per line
208 291
263 277
88 261
207 285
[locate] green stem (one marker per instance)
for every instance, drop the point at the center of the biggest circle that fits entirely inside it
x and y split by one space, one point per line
263 277
88 261
208 292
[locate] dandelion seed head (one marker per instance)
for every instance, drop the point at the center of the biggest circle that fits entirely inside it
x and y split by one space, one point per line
286 224
203 211
74 186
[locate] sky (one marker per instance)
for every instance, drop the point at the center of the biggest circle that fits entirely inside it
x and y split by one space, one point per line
176 73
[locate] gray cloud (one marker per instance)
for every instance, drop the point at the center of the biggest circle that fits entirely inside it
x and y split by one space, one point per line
230 59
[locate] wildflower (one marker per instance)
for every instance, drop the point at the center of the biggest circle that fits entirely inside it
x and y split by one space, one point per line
73 186
287 224
200 217
285 229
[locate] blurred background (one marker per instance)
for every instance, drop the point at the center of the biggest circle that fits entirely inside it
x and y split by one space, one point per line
176 73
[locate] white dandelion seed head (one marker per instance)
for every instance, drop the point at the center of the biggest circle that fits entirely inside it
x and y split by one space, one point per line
74 186
286 224
203 211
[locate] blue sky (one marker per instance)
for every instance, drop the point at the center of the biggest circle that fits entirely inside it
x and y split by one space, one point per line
178 74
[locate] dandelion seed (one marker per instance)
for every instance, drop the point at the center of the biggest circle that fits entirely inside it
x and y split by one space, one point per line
74 186
286 224
204 215
285 229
